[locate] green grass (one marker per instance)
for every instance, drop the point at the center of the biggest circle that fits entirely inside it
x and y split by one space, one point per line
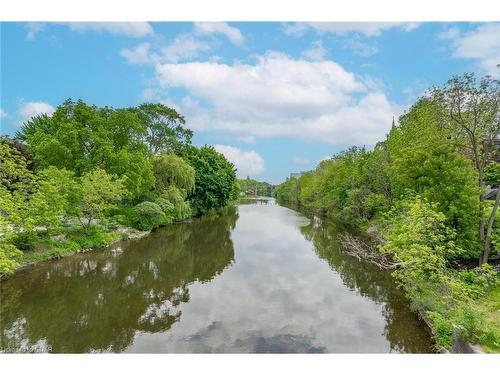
490 306
76 241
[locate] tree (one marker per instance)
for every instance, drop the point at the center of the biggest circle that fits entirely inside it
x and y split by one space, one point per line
15 168
215 179
426 162
165 128
79 137
98 191
51 202
172 170
472 117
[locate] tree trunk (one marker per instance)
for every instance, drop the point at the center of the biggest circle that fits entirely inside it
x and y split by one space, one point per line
487 240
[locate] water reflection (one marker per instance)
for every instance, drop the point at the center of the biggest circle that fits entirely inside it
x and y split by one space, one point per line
97 301
403 331
256 278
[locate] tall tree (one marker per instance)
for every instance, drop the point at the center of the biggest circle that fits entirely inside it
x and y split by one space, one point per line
473 120
165 128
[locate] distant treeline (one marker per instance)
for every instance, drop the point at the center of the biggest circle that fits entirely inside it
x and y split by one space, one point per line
253 188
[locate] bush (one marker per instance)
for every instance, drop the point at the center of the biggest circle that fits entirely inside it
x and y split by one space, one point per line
147 215
92 238
167 207
24 241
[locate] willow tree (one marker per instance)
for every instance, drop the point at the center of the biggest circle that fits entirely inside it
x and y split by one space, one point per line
472 116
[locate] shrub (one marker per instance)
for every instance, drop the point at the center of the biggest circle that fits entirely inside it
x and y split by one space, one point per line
147 215
167 207
92 238
24 241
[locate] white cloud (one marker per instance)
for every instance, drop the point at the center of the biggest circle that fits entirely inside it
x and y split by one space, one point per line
2 113
132 29
184 47
481 44
137 55
451 33
232 33
341 28
247 163
29 109
281 97
359 47
33 29
316 53
300 161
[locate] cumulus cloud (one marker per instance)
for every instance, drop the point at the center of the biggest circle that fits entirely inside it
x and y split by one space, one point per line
2 113
281 97
316 53
137 55
184 47
341 28
29 109
481 45
247 163
232 33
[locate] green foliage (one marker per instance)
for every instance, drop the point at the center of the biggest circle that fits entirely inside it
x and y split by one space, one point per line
50 203
177 198
93 237
492 174
172 170
165 131
15 168
80 138
215 179
250 187
97 192
167 207
148 215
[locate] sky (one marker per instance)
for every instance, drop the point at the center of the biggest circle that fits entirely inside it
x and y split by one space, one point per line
275 98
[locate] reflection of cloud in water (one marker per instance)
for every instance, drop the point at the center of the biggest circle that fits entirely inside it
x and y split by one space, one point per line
277 295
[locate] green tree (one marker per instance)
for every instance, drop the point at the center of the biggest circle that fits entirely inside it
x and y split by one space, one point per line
215 179
425 161
79 137
15 168
172 170
472 117
52 201
165 128
98 191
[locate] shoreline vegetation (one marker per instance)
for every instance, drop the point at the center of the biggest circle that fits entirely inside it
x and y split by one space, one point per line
428 196
87 176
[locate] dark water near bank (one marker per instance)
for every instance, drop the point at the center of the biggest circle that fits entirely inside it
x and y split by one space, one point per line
255 278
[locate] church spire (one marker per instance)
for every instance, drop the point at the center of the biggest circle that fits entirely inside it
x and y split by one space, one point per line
393 125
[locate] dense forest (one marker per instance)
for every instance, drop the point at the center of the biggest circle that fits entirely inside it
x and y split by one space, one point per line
253 188
429 196
84 176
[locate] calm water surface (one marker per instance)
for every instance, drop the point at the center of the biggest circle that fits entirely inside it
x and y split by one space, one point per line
253 278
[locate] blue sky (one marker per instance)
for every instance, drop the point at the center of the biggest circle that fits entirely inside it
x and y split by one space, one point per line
275 98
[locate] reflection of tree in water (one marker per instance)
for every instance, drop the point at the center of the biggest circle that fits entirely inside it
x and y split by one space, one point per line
97 301
403 329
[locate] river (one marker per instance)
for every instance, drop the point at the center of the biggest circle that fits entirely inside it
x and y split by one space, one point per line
253 278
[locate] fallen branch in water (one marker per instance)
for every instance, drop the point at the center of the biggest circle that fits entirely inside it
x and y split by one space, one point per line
366 251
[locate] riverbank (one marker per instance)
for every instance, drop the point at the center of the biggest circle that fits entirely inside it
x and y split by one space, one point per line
70 243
